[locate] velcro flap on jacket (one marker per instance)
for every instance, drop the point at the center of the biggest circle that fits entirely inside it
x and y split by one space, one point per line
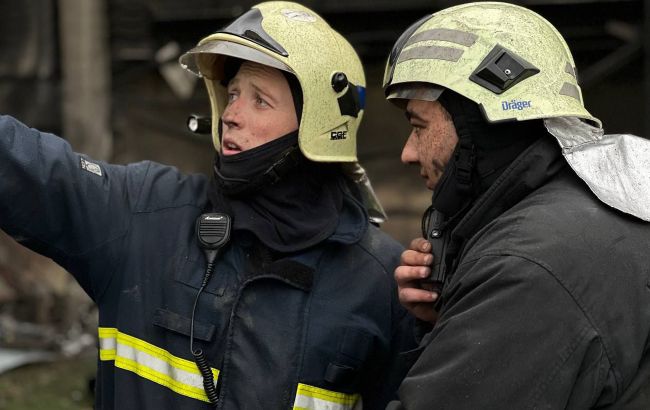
356 344
292 272
339 374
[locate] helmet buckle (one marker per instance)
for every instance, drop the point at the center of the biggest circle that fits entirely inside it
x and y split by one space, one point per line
465 158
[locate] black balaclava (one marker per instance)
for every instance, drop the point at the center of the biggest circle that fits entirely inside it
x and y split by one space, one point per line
483 152
288 202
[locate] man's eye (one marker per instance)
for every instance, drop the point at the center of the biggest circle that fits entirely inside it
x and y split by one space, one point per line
232 96
418 129
260 101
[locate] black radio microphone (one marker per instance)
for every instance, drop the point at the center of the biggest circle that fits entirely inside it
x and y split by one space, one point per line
213 232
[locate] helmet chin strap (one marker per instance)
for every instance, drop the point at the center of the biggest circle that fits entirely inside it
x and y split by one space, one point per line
458 183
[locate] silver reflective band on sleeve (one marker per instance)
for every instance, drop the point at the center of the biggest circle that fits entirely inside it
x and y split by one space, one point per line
444 34
431 53
316 398
152 363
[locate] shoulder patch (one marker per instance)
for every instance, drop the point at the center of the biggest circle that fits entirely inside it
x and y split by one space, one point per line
91 167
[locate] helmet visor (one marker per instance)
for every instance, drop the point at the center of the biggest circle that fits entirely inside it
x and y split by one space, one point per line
206 60
399 94
397 49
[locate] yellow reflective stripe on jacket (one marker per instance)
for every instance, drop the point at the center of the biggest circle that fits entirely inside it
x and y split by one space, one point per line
316 398
152 363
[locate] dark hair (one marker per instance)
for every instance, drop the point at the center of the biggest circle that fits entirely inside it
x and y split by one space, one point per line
296 92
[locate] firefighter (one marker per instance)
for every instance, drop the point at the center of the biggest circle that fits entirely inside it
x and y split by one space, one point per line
263 287
534 249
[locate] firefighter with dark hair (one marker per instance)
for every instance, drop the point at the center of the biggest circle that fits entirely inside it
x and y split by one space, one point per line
532 270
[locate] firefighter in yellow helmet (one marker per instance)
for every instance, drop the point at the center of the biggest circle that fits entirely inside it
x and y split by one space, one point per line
534 246
287 95
264 287
323 70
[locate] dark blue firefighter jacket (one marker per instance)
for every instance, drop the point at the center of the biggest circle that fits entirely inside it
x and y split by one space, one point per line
316 330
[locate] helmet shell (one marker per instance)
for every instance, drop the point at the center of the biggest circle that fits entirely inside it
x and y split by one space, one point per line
460 47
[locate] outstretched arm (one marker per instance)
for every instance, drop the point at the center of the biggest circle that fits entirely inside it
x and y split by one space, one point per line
60 203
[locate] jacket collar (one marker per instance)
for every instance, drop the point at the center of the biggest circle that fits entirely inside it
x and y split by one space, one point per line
529 171
353 220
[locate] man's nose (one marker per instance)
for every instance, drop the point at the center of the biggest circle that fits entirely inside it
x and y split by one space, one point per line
231 116
409 152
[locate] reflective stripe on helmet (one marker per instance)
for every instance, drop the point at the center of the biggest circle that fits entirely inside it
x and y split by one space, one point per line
570 90
442 34
568 68
431 52
152 363
316 398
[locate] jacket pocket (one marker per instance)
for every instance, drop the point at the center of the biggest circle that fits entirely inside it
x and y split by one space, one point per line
346 369
180 324
190 270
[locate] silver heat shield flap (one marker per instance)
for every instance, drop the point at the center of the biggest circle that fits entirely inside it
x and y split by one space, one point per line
616 167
